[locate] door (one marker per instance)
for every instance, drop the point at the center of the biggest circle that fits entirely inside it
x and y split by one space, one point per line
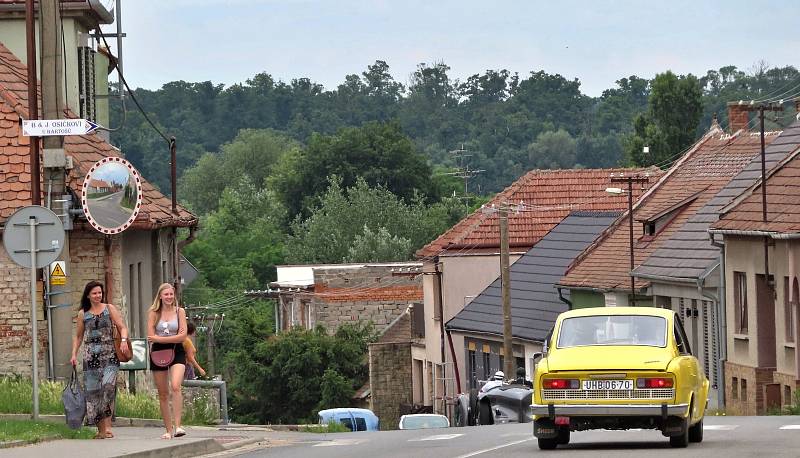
765 319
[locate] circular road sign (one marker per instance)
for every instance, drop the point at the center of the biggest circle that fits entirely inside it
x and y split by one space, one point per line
111 195
49 236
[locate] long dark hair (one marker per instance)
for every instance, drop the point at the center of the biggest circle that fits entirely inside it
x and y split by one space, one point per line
86 304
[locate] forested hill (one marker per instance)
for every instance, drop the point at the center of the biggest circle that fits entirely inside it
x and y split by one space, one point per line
508 123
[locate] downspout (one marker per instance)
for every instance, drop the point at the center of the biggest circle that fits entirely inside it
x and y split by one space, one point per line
441 327
563 299
455 362
721 326
109 270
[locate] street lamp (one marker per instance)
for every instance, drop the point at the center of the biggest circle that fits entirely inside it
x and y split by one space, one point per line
630 180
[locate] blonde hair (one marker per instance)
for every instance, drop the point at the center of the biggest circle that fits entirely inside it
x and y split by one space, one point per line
156 307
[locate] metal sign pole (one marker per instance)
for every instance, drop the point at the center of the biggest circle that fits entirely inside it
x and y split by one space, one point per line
35 363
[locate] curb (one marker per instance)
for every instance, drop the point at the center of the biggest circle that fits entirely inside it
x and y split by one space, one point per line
192 449
22 443
118 421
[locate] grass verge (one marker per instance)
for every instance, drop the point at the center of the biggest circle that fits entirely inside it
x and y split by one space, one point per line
331 427
35 431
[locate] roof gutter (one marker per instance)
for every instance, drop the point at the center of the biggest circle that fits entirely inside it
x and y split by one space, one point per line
774 235
666 278
494 334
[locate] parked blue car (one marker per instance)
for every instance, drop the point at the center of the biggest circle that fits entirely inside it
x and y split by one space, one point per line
352 419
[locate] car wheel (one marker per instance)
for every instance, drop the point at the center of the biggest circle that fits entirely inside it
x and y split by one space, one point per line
696 432
472 411
563 435
485 411
682 440
548 444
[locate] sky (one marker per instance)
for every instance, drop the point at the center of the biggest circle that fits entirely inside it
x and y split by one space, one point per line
597 42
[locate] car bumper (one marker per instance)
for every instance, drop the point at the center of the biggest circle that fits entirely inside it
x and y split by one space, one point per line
581 410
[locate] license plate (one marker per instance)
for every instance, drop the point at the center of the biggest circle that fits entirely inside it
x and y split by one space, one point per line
608 384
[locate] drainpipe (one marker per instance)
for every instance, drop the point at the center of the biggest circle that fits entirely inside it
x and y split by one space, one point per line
109 270
441 329
721 326
564 299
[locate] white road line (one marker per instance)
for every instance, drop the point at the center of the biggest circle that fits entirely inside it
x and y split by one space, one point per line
487 450
719 427
516 434
438 437
790 427
337 442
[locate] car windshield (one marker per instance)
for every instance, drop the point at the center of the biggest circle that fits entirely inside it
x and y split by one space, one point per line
424 422
613 330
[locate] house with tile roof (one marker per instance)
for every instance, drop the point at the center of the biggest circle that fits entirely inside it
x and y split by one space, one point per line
762 287
477 330
601 276
686 271
462 262
132 263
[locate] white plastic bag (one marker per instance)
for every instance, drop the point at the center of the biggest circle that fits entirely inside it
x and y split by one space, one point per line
74 402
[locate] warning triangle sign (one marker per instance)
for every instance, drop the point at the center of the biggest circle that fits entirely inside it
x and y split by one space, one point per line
58 271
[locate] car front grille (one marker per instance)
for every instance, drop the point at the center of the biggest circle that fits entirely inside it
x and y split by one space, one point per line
659 393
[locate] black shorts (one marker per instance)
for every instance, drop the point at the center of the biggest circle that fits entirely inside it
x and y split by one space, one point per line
180 355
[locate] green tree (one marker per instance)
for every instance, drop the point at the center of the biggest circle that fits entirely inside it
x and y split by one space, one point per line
553 150
378 153
388 227
670 123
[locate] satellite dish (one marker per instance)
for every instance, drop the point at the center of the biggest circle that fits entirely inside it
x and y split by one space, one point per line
111 195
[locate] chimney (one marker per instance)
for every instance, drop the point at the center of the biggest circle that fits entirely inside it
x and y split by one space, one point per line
738 116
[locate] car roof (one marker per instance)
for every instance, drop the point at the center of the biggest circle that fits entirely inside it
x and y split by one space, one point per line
422 415
602 311
341 410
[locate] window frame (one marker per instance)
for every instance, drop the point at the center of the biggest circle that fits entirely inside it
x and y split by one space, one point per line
740 305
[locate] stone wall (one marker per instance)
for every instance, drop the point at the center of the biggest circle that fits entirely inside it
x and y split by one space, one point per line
788 387
390 381
746 395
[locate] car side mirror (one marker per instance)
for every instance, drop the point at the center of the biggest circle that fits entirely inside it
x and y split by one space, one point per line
538 355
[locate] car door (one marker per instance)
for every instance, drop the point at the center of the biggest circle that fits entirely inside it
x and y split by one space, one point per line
691 365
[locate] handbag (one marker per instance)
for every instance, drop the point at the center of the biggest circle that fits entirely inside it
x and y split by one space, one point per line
74 401
163 357
122 357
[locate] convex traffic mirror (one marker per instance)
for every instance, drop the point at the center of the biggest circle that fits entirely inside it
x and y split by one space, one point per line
111 195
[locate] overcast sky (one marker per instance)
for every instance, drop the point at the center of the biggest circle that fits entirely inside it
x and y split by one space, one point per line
597 42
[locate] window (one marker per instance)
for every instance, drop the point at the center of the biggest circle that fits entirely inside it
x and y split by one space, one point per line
347 422
613 330
788 310
680 338
361 424
735 388
740 302
743 391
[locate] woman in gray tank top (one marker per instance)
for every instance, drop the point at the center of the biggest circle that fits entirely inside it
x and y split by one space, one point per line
166 328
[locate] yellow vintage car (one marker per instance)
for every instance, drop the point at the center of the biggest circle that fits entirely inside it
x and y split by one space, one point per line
618 368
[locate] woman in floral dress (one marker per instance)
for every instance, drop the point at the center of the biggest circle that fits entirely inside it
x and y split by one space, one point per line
100 363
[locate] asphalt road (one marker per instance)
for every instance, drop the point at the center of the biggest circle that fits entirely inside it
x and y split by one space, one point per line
108 211
726 437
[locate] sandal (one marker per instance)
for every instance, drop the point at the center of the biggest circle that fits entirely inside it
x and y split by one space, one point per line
99 436
166 436
109 435
179 432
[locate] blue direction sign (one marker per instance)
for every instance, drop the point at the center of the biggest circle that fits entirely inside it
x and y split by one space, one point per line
56 127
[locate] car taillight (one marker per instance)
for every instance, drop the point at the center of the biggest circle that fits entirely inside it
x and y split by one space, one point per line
656 382
560 384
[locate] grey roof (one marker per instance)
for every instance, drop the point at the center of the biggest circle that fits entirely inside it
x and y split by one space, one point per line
688 254
534 299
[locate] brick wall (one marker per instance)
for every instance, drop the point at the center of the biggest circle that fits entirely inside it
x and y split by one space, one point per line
786 381
390 381
748 398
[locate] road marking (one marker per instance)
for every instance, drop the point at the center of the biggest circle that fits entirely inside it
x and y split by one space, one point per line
438 437
487 450
719 427
336 442
790 427
515 434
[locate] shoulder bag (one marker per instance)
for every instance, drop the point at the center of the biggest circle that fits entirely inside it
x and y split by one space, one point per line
122 357
74 402
165 356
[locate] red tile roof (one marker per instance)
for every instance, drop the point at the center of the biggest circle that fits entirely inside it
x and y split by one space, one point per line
547 197
15 174
783 203
691 182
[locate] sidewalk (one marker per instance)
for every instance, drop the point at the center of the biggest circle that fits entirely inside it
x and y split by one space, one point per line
145 442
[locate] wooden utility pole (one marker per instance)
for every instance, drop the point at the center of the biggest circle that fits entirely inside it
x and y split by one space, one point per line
508 352
33 105
210 344
630 180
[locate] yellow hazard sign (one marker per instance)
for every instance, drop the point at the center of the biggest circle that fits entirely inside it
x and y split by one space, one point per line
58 275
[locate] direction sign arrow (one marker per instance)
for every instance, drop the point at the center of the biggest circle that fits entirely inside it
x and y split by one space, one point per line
57 127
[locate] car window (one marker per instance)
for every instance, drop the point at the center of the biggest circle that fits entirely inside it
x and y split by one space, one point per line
424 422
347 422
613 330
680 338
361 424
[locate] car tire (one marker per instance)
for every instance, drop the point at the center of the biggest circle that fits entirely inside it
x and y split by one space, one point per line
681 441
696 432
472 408
563 435
485 413
548 444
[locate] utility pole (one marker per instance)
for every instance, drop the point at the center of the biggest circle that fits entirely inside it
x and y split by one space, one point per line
505 277
210 345
33 105
630 180
462 169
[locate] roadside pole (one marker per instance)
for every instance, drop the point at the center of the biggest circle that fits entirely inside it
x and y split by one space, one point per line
508 352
